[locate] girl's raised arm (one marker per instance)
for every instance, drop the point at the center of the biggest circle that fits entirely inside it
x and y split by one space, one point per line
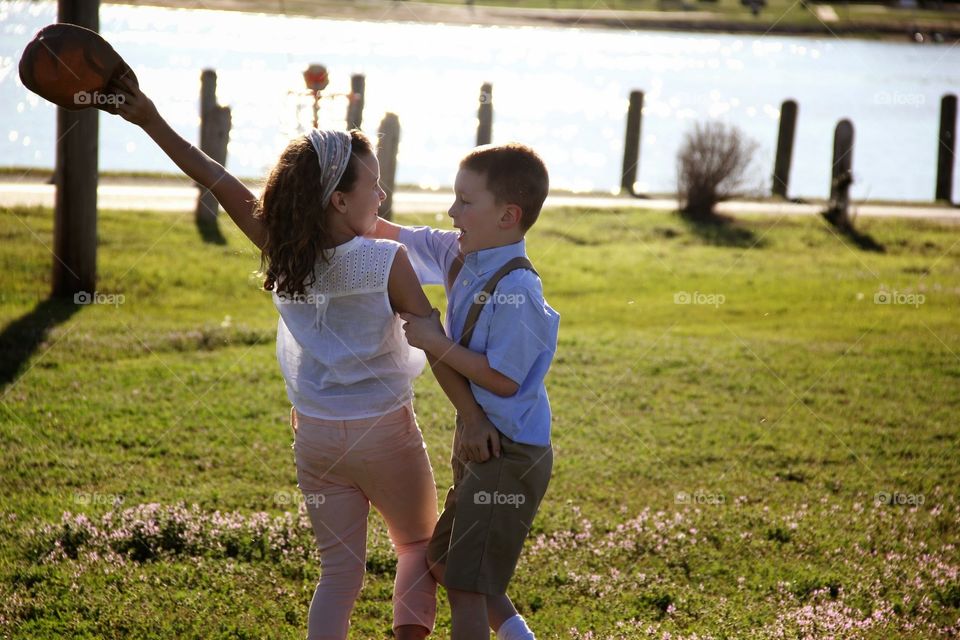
236 199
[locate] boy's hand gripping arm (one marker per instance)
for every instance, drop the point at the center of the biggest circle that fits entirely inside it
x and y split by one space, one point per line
427 334
480 438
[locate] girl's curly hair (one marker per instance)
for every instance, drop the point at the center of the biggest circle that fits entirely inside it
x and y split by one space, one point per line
298 229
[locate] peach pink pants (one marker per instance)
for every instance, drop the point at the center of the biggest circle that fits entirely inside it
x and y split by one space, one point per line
344 466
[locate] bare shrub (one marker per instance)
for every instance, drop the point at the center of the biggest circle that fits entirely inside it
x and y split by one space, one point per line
713 164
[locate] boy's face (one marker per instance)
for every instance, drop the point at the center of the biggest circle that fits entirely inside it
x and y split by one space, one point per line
476 213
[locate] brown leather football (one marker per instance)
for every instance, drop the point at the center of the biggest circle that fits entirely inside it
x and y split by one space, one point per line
74 68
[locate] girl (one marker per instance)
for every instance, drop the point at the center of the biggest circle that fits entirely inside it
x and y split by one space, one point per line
346 363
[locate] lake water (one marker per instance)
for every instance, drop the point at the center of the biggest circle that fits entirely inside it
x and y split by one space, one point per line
563 91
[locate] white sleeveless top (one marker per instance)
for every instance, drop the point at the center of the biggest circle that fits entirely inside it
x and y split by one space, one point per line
341 347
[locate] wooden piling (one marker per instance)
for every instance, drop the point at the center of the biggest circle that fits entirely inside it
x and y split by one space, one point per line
946 146
388 145
631 144
841 175
785 138
75 202
485 115
355 109
215 123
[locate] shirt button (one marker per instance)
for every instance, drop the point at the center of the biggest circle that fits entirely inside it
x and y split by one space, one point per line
466 282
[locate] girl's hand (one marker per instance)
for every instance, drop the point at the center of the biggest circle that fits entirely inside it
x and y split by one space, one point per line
136 107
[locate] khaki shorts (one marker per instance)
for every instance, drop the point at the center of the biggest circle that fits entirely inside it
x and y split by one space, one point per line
487 516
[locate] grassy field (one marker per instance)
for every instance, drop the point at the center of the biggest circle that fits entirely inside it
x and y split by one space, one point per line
755 430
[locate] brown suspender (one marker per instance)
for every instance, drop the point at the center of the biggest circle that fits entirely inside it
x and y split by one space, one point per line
455 268
483 296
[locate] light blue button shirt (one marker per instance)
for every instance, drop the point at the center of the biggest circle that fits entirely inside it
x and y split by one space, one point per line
517 329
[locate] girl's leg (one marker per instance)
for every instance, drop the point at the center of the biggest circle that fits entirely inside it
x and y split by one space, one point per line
401 487
339 517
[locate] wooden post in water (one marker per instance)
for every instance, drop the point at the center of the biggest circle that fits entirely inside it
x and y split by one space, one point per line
841 176
631 144
355 110
785 137
214 135
946 146
388 144
75 177
485 115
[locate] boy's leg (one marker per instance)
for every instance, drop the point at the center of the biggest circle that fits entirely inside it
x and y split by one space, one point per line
520 477
440 540
495 504
505 620
468 615
480 535
499 610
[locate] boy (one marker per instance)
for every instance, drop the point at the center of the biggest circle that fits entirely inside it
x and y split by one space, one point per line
502 338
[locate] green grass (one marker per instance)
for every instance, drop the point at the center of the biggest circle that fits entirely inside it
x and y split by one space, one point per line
717 465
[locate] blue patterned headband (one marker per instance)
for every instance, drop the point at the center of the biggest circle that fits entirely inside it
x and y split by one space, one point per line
333 150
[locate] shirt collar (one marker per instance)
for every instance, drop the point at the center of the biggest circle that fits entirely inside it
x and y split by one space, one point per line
344 248
480 263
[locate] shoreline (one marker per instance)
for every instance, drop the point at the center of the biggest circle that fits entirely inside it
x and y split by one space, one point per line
123 190
902 29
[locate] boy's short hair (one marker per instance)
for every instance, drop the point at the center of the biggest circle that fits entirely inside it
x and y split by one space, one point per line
515 174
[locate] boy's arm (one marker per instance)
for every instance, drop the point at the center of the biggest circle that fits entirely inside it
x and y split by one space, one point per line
481 437
235 198
427 334
386 230
431 251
